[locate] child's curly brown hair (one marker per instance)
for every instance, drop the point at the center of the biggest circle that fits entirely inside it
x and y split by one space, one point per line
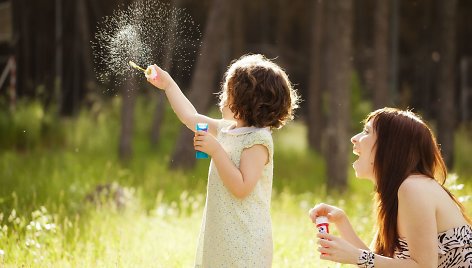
258 92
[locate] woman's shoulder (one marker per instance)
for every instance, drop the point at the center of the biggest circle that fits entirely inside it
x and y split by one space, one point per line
419 180
416 187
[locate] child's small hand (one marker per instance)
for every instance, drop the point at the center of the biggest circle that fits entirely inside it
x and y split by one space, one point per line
205 142
157 77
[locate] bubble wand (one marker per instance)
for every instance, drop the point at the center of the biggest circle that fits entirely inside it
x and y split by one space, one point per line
147 72
135 66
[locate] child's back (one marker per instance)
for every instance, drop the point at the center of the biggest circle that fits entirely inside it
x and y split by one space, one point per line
237 232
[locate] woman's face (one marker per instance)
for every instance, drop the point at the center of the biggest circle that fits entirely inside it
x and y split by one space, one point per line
364 147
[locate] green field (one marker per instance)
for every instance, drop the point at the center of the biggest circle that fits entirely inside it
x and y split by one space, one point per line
53 214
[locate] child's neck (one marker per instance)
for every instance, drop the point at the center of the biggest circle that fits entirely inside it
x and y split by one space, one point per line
240 123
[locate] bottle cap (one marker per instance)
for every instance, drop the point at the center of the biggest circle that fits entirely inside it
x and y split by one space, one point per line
321 219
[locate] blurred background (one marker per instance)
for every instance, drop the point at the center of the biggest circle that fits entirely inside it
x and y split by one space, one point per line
67 136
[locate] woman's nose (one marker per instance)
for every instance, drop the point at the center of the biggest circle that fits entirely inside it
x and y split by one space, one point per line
354 139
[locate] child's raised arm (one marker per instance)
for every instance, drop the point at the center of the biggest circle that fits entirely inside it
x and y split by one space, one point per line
182 107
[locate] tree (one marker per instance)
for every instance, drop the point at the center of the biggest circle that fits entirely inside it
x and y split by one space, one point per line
381 62
78 70
24 35
315 94
446 78
204 77
128 96
338 68
238 38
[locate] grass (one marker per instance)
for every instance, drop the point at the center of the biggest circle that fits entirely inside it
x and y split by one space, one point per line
53 215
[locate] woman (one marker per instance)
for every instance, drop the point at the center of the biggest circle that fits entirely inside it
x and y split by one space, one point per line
420 223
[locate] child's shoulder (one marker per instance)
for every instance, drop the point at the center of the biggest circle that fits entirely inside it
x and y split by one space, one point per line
263 132
261 136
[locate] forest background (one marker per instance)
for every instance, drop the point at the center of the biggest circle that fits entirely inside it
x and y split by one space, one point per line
101 173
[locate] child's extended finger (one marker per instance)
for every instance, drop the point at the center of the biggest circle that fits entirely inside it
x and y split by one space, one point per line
197 146
200 133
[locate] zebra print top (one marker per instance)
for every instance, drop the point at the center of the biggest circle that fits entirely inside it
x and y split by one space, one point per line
454 248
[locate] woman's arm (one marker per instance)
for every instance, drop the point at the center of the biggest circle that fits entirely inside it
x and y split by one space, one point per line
416 222
182 107
337 249
239 181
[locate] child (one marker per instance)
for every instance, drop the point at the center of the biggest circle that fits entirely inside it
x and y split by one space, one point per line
257 97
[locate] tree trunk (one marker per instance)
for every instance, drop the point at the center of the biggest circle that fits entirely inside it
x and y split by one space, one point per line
381 40
203 80
73 82
315 118
283 28
128 95
85 37
446 79
338 69
394 49
238 34
22 14
58 50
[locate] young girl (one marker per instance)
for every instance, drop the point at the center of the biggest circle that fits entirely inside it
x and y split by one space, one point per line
420 223
257 97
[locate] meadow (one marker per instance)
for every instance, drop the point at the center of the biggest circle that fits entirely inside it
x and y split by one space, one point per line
66 200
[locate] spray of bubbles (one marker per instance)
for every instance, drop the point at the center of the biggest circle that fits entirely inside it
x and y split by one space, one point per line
145 32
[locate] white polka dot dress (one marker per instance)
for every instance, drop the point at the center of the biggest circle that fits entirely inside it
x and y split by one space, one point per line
237 232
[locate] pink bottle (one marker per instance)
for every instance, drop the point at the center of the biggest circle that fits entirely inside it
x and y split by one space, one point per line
322 224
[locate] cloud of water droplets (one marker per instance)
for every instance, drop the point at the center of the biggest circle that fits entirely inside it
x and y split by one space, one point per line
145 32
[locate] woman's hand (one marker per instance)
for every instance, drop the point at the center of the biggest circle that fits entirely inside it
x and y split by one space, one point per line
334 214
205 142
336 249
158 77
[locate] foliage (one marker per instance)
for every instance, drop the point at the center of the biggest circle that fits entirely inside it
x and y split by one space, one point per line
462 149
66 200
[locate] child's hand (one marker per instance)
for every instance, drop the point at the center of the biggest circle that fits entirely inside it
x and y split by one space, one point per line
157 77
336 249
334 214
205 142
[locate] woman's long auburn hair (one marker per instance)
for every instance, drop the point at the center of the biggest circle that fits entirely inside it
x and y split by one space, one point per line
405 145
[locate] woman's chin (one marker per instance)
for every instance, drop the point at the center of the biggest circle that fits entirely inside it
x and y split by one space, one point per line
354 164
356 172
